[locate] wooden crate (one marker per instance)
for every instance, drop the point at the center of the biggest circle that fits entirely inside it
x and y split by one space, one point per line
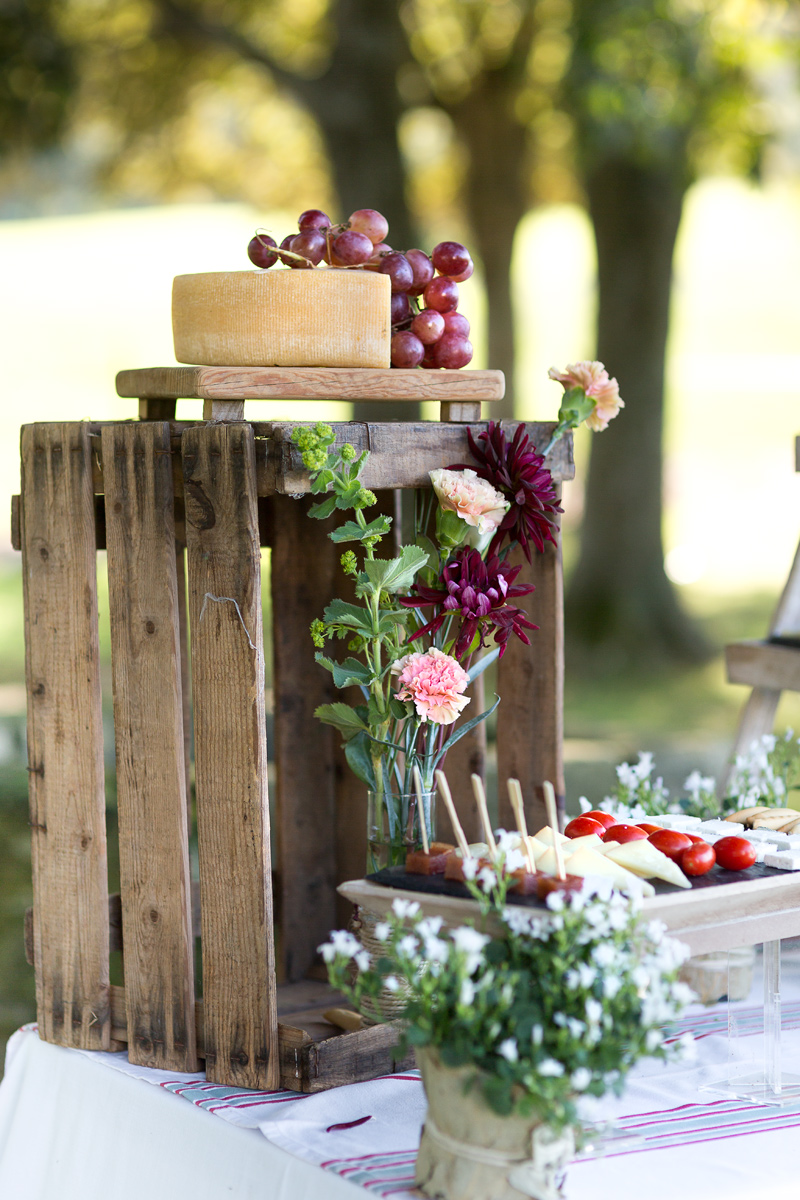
183 510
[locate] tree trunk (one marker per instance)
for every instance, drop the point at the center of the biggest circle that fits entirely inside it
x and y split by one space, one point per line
358 110
497 200
620 603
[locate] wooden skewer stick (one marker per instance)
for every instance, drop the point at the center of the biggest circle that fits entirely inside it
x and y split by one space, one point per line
480 800
515 796
423 824
444 788
552 817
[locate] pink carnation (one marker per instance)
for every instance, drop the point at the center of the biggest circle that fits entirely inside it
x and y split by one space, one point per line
434 681
592 378
470 497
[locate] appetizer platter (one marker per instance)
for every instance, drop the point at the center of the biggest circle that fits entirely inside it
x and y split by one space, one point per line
715 884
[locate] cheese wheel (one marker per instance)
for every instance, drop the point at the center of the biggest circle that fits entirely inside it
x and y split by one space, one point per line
282 318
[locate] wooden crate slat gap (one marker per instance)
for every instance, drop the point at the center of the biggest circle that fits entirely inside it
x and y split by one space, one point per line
149 733
65 737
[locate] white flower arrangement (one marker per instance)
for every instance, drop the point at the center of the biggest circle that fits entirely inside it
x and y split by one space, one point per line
554 1005
765 774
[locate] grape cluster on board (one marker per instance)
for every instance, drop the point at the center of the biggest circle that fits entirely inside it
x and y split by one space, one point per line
426 329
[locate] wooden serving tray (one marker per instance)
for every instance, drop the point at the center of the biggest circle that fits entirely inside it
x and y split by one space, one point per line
723 910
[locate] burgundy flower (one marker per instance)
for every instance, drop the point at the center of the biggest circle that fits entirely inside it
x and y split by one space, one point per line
516 470
479 591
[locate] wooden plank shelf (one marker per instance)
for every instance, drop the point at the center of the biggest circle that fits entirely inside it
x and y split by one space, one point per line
764 664
224 390
309 383
724 917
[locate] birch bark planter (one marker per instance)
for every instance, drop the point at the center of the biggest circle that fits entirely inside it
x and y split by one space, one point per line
468 1152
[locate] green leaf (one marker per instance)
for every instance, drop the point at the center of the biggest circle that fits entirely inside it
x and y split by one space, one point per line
576 406
480 666
342 717
398 709
428 546
319 483
456 737
348 494
351 531
396 574
359 760
323 509
348 673
340 612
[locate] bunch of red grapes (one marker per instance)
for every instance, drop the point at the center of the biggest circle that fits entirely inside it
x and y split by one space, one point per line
426 329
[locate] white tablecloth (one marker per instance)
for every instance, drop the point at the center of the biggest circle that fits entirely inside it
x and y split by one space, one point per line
80 1126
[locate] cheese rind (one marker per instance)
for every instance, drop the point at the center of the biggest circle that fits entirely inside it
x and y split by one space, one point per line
282 318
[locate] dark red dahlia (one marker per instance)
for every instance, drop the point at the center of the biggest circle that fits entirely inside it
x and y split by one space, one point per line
516 470
479 591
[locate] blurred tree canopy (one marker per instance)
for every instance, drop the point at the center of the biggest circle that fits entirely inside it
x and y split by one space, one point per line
297 103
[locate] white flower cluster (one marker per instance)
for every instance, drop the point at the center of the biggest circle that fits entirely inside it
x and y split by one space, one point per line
637 796
759 775
555 1033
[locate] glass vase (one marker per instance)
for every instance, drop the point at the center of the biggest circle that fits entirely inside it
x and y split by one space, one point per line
393 826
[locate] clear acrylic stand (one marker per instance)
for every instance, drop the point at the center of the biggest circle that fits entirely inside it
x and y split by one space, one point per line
768 1084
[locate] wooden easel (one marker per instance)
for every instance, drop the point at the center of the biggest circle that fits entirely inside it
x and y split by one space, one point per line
770 665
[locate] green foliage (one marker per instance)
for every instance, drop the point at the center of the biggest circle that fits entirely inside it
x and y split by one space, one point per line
660 82
394 575
548 1007
342 717
40 72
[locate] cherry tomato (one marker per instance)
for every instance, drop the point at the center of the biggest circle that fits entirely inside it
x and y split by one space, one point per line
583 826
735 853
605 819
697 859
624 833
670 842
649 828
695 837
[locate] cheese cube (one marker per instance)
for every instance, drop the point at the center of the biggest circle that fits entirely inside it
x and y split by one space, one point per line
787 860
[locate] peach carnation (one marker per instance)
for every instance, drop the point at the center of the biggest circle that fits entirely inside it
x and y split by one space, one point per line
434 681
470 497
592 378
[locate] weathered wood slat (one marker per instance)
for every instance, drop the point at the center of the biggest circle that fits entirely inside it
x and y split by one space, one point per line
758 713
114 922
308 1064
309 383
65 737
151 769
530 731
400 455
224 570
305 572
763 665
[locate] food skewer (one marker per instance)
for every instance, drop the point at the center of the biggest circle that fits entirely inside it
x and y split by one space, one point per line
552 819
423 823
444 788
480 800
515 796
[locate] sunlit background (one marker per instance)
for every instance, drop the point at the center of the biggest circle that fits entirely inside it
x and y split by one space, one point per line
159 149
